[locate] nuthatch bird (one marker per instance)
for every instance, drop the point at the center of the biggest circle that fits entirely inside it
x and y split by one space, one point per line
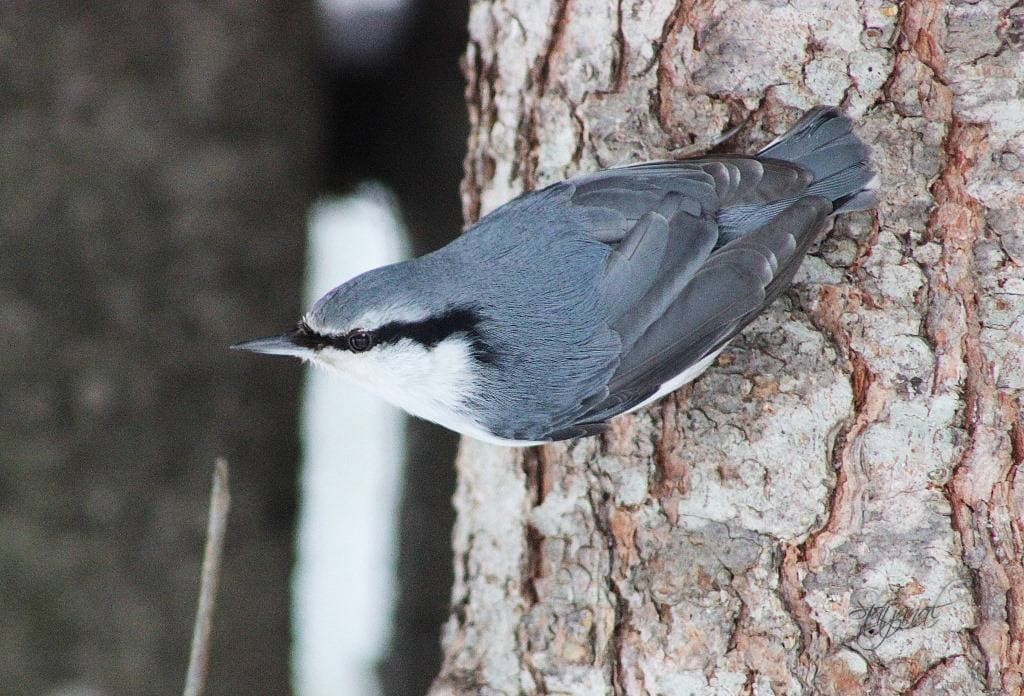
591 297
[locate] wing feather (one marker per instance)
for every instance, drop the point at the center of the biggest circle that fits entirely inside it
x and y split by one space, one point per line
696 249
731 287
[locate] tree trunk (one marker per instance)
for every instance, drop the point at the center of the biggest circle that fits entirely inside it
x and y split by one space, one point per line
834 507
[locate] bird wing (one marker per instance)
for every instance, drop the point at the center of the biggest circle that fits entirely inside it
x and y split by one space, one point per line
678 283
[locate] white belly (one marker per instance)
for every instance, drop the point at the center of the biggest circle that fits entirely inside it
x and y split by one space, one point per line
685 377
434 384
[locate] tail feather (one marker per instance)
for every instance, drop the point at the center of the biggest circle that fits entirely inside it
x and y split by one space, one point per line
823 142
865 199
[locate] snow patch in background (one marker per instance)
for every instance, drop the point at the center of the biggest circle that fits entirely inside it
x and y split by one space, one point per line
364 34
354 447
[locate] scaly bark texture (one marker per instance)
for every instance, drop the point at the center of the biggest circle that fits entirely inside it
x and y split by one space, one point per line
835 507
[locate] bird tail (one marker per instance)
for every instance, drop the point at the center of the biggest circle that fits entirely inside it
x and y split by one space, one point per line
823 142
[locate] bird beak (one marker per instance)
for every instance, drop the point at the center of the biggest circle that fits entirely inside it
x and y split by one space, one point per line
282 344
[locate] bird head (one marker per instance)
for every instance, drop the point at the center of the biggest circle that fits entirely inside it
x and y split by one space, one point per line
386 333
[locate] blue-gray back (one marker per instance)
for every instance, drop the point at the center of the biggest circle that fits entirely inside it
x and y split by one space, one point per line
596 291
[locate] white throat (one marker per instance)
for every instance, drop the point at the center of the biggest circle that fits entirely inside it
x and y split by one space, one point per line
432 383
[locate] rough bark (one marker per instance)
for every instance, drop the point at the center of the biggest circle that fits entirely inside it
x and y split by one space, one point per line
835 507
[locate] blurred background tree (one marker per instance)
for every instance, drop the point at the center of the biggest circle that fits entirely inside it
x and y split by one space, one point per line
158 161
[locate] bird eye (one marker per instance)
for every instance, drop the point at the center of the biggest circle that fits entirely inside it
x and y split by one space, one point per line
360 341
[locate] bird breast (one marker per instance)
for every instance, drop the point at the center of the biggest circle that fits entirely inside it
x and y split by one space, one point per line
436 383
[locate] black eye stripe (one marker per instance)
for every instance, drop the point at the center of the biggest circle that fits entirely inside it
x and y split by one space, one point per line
427 332
431 331
306 337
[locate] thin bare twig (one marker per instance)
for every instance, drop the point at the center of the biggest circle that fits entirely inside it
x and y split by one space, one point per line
199 660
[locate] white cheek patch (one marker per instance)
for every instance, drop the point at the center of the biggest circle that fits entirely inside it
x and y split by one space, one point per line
432 383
